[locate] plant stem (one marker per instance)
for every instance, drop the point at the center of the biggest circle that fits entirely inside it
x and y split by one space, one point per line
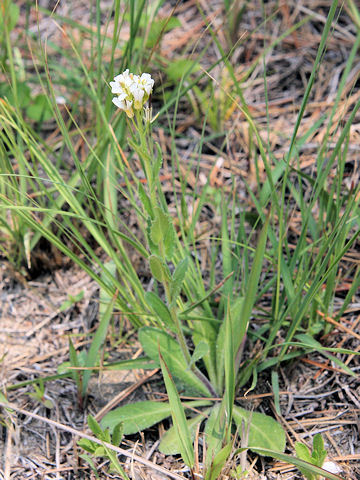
145 152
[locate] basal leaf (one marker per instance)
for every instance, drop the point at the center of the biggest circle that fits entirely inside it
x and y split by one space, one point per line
235 317
219 462
264 431
136 416
214 432
151 337
178 416
141 415
169 444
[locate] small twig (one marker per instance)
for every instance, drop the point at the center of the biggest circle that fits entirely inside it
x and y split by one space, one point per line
8 450
340 326
122 395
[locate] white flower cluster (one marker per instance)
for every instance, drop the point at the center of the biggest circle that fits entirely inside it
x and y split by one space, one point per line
132 91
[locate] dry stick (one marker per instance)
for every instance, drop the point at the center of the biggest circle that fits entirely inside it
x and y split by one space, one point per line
8 451
340 326
73 431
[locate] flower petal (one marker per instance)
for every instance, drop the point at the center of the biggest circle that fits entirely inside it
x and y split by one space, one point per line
119 103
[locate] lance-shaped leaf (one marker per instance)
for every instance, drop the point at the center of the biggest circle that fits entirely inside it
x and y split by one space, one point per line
178 278
162 232
178 416
158 269
161 310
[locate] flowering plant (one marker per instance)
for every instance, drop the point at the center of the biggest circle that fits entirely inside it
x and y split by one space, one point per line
132 91
172 315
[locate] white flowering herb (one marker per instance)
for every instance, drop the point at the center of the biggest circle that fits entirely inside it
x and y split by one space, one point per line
131 91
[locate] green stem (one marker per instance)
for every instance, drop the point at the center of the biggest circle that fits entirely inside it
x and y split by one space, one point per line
145 151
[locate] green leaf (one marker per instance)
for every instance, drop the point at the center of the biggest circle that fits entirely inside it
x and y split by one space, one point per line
87 445
316 458
264 431
219 462
158 269
201 349
229 372
160 226
40 110
151 337
144 199
303 452
178 68
140 415
118 433
169 242
48 403
178 416
136 416
252 286
11 17
178 278
110 191
236 320
160 26
74 362
276 390
114 463
100 451
169 444
214 432
319 452
23 93
90 461
71 301
95 427
159 307
157 164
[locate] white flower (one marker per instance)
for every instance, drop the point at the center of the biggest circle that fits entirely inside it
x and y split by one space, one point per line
131 91
138 95
116 87
147 82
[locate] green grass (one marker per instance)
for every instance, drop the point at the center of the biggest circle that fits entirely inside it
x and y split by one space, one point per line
79 202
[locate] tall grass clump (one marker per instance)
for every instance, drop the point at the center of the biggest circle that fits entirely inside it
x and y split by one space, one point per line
192 324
